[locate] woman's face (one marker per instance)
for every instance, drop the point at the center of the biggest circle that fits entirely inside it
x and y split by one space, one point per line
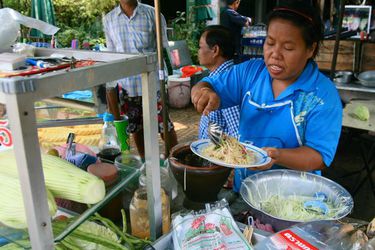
285 51
205 53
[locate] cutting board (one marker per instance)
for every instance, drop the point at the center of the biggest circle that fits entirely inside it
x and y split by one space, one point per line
350 121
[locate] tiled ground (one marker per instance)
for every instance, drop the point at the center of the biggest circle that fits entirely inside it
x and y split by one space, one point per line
186 123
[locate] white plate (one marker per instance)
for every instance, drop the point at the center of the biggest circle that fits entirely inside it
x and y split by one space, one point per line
261 157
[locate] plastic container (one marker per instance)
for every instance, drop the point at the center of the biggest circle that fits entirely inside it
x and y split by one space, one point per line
139 220
109 174
126 164
165 181
109 146
178 91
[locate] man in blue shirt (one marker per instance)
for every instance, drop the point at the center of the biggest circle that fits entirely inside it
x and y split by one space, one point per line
231 19
286 105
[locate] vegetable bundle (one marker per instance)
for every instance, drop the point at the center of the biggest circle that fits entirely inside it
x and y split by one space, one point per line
96 234
12 210
62 178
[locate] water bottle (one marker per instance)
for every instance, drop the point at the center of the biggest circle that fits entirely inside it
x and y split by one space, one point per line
109 146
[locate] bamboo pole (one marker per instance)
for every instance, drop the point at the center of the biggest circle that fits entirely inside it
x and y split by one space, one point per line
337 42
159 40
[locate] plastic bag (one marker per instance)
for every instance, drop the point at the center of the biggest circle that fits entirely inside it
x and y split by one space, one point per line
8 30
11 20
211 229
319 235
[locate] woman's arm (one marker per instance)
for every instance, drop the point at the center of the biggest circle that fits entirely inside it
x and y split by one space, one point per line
302 158
204 98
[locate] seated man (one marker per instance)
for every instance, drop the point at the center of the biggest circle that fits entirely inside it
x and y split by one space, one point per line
216 50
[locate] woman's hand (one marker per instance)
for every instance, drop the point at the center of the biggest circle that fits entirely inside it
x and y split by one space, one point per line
274 154
204 98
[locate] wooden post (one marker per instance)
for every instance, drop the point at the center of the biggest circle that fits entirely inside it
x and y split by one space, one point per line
112 103
159 39
337 42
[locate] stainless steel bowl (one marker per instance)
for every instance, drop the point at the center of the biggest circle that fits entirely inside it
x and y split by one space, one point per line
367 78
260 186
343 77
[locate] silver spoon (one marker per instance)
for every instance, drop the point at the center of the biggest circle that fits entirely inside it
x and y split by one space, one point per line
215 133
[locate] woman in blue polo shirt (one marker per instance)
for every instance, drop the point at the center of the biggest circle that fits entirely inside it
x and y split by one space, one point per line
287 106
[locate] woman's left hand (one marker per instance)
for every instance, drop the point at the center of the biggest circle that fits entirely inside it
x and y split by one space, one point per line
274 154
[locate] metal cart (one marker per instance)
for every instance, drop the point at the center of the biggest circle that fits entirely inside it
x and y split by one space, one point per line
19 95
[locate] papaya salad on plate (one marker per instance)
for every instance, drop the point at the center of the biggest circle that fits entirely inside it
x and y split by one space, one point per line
230 153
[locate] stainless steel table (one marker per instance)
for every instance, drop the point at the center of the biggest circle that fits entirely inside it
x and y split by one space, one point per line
353 90
366 140
19 95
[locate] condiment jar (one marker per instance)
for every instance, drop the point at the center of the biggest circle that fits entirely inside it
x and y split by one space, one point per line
165 180
108 173
139 220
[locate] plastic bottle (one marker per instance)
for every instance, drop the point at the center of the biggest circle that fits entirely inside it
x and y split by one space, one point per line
109 146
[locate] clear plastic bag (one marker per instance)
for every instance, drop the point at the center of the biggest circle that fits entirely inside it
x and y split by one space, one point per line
213 228
320 235
8 30
24 49
10 25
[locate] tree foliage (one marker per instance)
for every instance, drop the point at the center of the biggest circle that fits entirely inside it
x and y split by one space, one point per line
77 13
77 19
185 29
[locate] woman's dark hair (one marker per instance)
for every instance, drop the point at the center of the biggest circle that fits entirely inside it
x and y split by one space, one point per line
229 2
222 37
303 14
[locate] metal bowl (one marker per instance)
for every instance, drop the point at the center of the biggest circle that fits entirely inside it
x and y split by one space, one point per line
283 182
367 78
343 77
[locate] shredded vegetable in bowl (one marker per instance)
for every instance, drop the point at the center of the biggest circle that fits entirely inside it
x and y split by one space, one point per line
230 151
292 208
283 197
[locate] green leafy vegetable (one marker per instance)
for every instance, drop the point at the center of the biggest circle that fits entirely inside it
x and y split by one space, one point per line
362 113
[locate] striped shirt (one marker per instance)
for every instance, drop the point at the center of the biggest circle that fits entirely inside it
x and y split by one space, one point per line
133 35
228 119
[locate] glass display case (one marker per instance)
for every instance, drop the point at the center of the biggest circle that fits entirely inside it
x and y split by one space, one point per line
22 94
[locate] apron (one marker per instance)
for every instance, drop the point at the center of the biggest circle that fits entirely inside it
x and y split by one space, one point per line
267 125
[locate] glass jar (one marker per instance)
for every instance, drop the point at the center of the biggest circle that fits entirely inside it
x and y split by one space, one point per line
165 180
139 220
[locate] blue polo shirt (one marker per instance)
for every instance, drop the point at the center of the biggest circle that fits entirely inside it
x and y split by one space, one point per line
306 113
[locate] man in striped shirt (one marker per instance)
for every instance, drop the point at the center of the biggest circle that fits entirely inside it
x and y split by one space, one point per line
216 52
131 28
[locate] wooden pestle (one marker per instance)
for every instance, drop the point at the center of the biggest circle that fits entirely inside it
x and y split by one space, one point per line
112 103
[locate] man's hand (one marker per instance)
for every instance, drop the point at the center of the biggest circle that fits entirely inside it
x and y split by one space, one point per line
274 154
204 99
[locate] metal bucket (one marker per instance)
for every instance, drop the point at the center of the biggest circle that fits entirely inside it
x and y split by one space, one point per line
283 182
344 77
178 91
